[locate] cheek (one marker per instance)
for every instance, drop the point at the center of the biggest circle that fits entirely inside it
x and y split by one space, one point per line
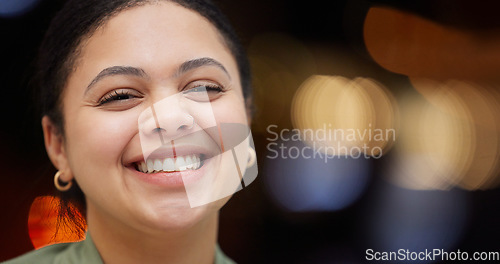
230 110
98 138
228 113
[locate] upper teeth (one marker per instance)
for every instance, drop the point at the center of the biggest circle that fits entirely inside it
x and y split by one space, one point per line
181 163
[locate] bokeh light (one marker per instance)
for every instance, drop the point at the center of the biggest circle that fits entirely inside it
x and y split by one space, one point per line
42 223
450 137
13 8
299 181
416 220
408 44
357 114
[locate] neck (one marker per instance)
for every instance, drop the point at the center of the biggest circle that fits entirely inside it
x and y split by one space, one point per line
118 243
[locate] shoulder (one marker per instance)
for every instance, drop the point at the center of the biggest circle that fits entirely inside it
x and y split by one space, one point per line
66 253
43 255
81 252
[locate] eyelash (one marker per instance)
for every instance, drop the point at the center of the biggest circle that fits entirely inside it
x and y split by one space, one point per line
208 88
115 96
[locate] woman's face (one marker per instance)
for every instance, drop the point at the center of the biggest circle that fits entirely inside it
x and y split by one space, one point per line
152 55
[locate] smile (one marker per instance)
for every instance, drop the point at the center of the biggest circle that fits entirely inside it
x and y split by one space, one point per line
179 163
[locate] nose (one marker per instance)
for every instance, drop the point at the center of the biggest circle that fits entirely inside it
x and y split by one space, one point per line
168 118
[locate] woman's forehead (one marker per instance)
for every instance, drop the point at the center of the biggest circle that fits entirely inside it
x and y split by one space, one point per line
155 36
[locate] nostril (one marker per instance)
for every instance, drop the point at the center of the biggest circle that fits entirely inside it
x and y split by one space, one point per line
172 125
158 130
183 127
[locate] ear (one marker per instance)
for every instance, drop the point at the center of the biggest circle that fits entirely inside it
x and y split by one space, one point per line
54 144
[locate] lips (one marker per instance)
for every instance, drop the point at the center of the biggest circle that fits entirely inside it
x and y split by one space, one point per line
173 165
183 159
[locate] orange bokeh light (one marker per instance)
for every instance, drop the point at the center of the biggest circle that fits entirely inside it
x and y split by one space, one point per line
42 223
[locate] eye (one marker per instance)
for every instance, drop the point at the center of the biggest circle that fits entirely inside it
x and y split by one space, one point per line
116 96
204 92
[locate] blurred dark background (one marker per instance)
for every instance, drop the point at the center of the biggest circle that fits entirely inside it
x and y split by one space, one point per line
276 219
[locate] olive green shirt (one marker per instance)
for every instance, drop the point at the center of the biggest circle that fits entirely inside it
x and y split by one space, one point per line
81 252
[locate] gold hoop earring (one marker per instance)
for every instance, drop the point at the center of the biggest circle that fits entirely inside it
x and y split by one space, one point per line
252 157
58 185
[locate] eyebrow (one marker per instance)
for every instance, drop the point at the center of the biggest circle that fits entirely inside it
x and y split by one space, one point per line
117 70
200 62
138 72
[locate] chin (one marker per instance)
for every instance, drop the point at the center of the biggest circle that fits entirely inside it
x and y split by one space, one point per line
182 216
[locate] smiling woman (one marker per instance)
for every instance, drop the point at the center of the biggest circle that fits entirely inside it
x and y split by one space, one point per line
135 95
